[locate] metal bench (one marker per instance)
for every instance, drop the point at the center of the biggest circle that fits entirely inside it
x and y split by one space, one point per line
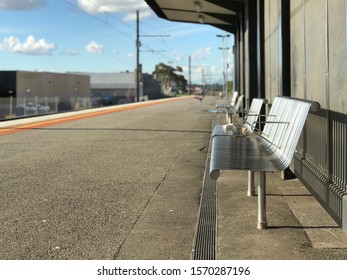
230 110
251 117
236 129
269 150
238 108
229 104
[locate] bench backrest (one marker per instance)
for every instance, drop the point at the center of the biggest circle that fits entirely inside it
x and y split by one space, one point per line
253 113
238 104
234 98
284 125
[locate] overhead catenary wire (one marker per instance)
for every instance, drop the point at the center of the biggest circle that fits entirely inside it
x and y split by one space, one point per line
161 41
145 48
105 22
112 15
100 20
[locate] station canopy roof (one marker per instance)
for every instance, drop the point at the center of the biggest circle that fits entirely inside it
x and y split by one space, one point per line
219 13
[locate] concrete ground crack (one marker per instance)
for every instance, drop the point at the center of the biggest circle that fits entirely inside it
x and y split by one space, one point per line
115 257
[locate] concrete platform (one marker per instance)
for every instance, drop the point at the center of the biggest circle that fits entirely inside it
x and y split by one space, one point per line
298 227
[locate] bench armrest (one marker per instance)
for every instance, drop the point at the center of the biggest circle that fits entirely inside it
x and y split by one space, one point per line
261 133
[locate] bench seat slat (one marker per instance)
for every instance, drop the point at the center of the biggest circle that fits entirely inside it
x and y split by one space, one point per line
239 153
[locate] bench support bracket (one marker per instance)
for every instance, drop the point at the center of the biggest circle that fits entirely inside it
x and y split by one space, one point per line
262 223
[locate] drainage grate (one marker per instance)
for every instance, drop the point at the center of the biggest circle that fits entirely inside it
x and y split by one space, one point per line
205 238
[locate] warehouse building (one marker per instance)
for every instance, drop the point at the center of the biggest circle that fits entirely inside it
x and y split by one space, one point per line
53 91
119 88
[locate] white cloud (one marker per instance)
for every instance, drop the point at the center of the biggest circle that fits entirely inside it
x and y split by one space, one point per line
211 73
128 7
178 56
201 53
143 14
94 47
21 4
30 46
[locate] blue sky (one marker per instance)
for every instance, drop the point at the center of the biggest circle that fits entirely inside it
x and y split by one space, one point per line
99 36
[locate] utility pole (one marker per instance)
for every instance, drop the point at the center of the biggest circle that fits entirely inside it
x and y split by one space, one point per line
190 75
225 64
138 68
202 77
138 45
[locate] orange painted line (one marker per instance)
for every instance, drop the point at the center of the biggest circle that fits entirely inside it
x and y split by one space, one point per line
40 124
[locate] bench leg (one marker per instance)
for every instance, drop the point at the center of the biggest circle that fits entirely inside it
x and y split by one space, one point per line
262 223
251 185
229 118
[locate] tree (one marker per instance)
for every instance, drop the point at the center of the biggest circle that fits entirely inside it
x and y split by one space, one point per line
170 79
230 86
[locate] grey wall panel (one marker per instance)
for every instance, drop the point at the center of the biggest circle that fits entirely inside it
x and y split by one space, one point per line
274 71
315 26
246 52
297 49
337 56
267 49
271 49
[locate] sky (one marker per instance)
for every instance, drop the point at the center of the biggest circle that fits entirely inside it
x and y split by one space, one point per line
99 36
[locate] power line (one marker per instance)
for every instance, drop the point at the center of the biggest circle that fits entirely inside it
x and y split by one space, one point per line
105 22
108 24
161 41
100 20
113 16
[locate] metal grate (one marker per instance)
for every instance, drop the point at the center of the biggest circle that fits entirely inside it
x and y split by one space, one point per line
205 238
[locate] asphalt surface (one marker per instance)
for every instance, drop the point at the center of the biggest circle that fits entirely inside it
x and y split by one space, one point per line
124 185
127 185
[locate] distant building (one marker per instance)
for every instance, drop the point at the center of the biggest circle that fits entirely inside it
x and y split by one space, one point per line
118 88
29 93
44 87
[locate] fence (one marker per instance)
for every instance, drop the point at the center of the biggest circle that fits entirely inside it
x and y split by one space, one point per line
12 107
